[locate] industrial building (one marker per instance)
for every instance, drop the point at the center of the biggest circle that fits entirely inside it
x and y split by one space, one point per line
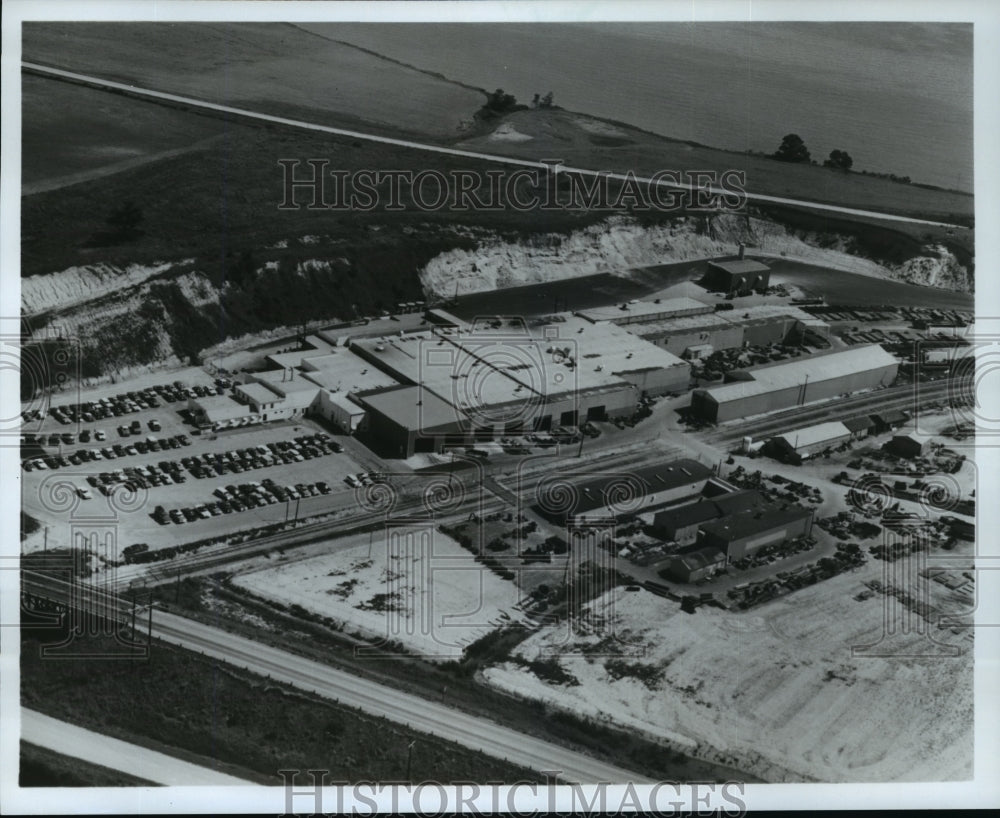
889 421
682 524
614 495
905 446
788 384
500 380
860 427
639 312
738 276
692 333
742 534
799 444
696 565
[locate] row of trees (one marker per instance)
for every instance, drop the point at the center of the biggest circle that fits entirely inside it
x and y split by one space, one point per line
793 149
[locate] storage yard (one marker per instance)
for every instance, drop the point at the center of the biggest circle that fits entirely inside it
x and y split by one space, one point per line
409 586
776 688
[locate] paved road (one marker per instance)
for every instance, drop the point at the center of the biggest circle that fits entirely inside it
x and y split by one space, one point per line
428 717
149 765
189 102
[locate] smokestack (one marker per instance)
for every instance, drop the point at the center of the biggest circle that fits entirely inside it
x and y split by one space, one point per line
743 249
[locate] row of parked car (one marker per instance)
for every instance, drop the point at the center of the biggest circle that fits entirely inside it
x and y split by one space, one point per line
276 453
63 438
124 402
356 481
164 473
77 458
237 498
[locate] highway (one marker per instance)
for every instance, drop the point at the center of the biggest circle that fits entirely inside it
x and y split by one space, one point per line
96 748
203 105
414 712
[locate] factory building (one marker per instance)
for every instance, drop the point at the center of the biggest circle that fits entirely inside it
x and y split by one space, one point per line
742 534
615 495
794 383
501 381
799 444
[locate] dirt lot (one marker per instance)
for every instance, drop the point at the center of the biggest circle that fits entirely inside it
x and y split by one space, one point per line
433 600
775 691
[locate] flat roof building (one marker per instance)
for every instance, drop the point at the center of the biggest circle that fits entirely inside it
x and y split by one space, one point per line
632 312
682 524
696 565
615 495
739 276
793 383
742 534
509 380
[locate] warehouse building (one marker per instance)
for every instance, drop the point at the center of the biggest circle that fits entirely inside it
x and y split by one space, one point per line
889 421
793 383
742 534
860 427
799 444
615 495
696 565
683 523
698 335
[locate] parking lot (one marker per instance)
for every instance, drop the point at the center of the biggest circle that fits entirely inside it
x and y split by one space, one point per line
276 471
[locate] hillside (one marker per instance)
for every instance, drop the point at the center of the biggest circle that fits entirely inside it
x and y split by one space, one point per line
621 243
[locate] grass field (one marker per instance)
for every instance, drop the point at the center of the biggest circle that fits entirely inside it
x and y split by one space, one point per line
44 768
267 67
101 132
583 142
194 708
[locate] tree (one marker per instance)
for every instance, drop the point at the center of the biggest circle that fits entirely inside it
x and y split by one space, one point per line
792 149
546 101
840 160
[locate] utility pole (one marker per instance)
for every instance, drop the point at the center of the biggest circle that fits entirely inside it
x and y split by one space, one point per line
409 758
45 544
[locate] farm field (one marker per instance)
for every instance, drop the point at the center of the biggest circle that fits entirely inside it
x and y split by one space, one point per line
102 133
774 691
581 141
434 600
278 69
